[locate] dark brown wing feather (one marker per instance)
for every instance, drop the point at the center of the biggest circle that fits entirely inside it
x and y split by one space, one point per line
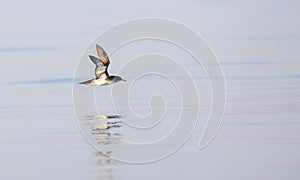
102 55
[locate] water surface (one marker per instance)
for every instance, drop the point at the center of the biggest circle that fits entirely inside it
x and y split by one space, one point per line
257 46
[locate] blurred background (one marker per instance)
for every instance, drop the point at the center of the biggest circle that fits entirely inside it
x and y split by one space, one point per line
256 42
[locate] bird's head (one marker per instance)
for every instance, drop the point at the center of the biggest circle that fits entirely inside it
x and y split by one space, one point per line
117 79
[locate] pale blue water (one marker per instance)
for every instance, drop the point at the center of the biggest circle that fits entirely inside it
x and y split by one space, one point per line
257 44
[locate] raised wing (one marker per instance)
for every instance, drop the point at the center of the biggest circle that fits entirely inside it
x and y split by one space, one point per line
102 55
101 68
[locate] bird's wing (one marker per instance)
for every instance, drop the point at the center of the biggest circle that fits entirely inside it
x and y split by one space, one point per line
101 68
102 55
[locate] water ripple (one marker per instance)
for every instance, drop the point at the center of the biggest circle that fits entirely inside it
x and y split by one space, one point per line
26 49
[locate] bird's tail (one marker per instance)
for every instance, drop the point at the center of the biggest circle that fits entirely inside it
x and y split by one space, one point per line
86 82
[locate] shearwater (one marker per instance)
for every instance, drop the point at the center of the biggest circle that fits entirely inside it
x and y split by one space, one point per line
102 76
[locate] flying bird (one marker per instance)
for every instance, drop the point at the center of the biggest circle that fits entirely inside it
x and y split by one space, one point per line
102 76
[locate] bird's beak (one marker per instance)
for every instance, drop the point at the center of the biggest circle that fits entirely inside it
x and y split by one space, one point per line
124 80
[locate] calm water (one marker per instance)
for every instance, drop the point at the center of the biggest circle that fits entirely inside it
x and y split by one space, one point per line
260 134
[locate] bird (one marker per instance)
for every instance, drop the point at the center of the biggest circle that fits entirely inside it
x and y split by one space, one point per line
102 76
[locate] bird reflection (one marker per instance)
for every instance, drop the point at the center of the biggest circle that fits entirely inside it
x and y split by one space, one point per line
106 125
104 158
104 154
104 161
102 130
106 138
103 117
